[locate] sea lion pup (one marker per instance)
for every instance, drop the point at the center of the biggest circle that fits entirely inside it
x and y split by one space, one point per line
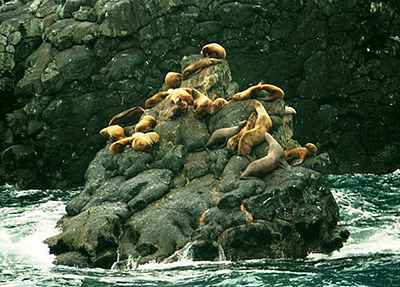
198 66
180 100
217 105
309 150
213 50
114 132
201 104
220 136
119 146
177 108
173 80
268 163
155 99
146 124
232 143
253 92
184 94
129 116
255 136
142 142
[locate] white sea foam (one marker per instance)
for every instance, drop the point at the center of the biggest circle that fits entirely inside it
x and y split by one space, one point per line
22 235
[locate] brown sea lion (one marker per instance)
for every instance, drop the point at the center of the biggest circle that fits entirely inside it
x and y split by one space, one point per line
198 66
309 150
213 50
155 99
217 105
178 108
142 142
180 100
268 163
114 132
255 136
129 116
183 94
119 146
254 91
146 124
232 143
201 104
220 136
173 80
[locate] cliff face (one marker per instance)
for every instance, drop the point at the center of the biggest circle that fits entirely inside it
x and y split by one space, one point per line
67 66
179 198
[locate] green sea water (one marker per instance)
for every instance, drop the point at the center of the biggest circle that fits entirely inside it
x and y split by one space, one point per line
369 207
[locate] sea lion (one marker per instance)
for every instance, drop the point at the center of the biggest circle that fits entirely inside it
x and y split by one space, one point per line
183 94
152 101
146 124
114 132
180 100
213 50
255 136
143 141
198 66
173 80
309 150
201 104
232 143
217 105
179 107
129 116
254 91
268 163
119 146
220 136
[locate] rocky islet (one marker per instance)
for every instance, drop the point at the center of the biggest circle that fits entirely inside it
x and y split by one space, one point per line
178 197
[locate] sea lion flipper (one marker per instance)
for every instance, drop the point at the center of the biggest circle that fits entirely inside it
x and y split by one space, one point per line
128 116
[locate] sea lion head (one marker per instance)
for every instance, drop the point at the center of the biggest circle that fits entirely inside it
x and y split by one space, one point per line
256 103
312 149
231 145
173 80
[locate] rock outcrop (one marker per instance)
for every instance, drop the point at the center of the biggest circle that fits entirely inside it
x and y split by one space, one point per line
180 198
66 66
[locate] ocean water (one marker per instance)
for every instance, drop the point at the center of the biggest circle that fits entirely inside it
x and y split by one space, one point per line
369 207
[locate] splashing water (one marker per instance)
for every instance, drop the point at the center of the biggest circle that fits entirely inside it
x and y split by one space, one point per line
369 206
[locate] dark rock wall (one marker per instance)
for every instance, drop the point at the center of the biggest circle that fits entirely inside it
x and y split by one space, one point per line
66 67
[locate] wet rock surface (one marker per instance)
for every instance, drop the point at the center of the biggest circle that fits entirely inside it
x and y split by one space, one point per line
67 66
182 200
